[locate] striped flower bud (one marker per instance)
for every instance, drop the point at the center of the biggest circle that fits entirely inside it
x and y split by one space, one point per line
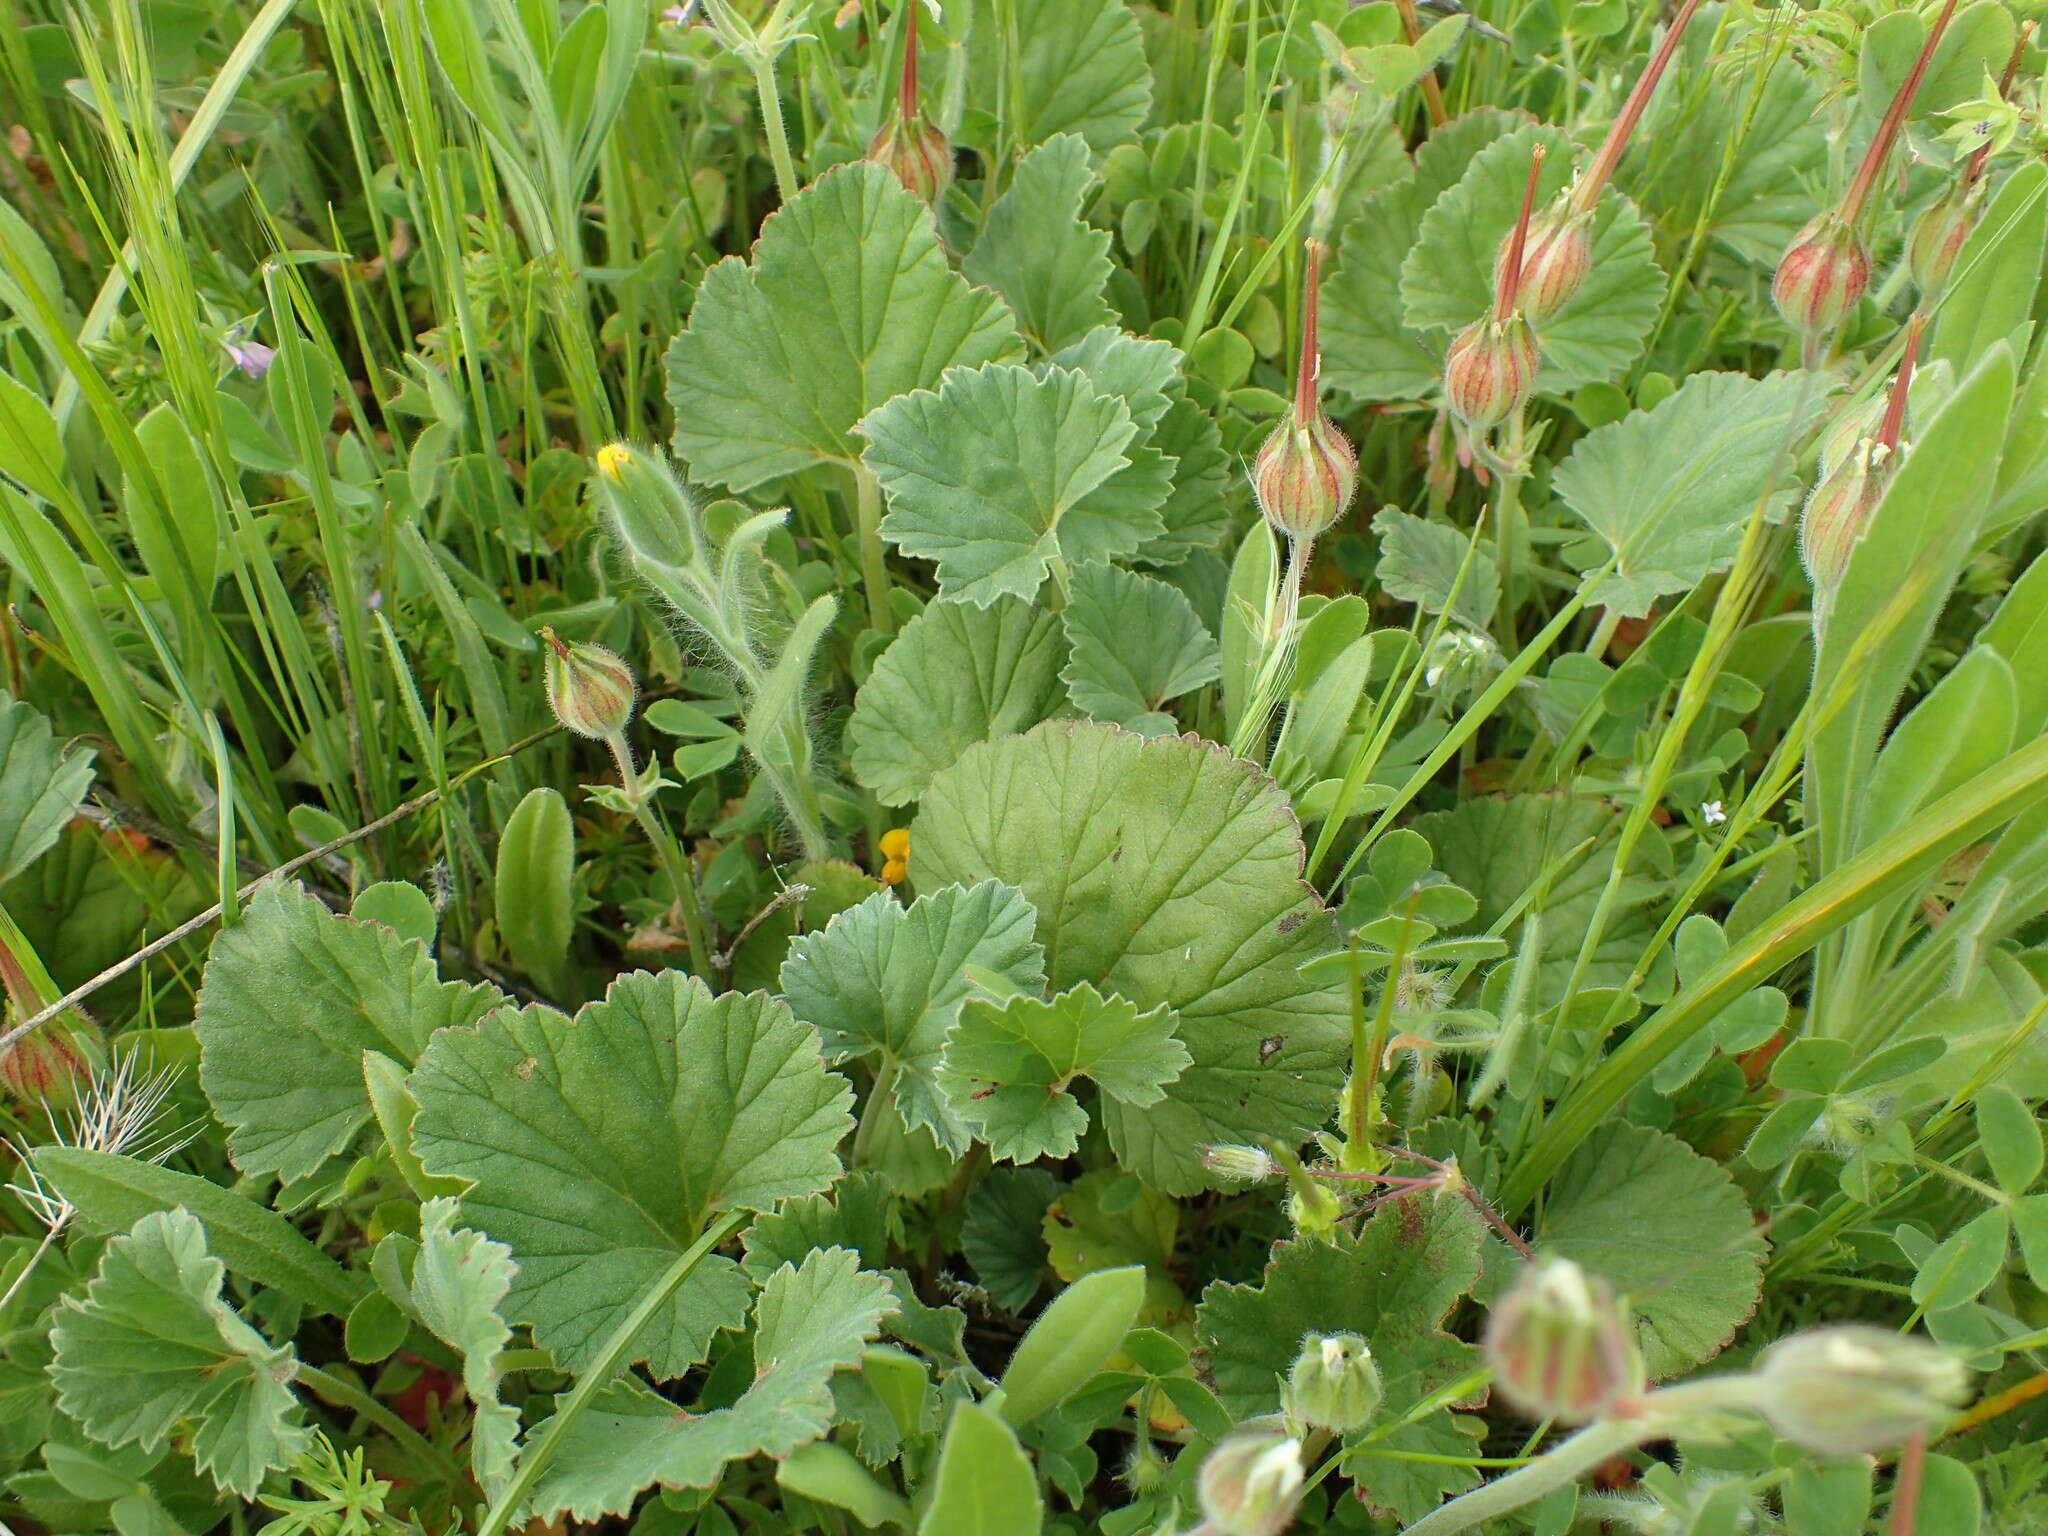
648 507
1304 476
1307 471
1490 370
46 1066
1837 512
1821 276
1561 1346
590 690
1556 255
916 152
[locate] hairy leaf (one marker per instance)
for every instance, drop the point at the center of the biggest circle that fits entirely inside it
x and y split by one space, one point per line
1420 560
459 1282
1078 66
886 981
1009 1068
1002 1236
153 1348
1135 644
598 1147
41 786
1001 471
293 996
1039 253
1673 488
956 675
847 301
809 1321
1672 1232
113 1193
1163 871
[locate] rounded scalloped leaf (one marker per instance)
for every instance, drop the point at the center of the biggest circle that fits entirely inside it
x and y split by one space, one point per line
957 674
1669 1228
1169 872
598 1148
1447 279
847 300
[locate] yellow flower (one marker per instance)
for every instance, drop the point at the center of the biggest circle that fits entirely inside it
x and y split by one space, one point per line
895 850
611 460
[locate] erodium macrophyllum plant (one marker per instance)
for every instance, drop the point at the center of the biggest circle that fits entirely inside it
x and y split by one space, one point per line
1023 768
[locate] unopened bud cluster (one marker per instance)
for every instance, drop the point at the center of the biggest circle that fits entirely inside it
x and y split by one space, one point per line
1490 368
1561 1346
1825 271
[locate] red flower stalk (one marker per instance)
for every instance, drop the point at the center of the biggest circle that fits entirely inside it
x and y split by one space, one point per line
1491 365
1307 472
913 150
1507 276
1894 118
1826 269
1587 192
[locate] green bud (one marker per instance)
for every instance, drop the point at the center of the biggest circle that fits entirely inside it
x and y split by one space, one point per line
1250 1484
1854 1390
1937 239
1334 1383
650 511
917 153
1561 1346
590 690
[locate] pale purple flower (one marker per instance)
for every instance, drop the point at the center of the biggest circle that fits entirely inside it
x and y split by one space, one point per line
251 356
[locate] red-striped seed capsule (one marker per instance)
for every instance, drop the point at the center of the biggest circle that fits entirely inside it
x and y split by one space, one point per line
1936 239
1490 370
1821 276
1305 476
1557 254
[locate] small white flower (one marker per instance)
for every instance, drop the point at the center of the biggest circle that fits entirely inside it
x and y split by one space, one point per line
1712 813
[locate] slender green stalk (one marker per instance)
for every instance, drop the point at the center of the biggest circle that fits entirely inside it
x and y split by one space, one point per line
786 183
1655 1418
874 562
542 1451
674 862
